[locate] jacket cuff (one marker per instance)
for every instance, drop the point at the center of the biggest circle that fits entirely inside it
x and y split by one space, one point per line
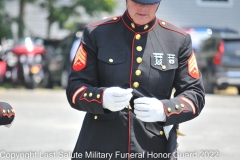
88 99
178 110
7 113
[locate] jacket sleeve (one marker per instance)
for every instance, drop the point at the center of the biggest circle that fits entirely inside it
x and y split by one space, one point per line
82 91
7 113
189 98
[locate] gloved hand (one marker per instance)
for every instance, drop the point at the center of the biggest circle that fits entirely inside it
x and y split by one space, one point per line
116 98
149 109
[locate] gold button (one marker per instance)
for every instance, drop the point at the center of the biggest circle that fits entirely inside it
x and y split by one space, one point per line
146 27
85 95
138 36
138 72
182 105
90 94
177 107
139 60
164 67
8 111
114 18
96 117
169 110
110 60
163 23
12 111
133 25
139 48
98 96
161 133
4 111
135 84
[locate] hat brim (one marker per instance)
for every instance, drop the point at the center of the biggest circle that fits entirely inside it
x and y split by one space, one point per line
147 2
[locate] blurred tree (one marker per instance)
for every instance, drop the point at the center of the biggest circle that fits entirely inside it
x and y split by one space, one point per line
60 12
5 23
19 19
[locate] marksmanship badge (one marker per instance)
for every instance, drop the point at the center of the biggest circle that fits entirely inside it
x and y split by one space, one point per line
158 59
171 58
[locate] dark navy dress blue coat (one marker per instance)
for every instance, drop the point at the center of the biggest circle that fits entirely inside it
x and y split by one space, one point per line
153 59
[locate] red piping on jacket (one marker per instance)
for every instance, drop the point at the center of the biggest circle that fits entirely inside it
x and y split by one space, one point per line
190 103
131 69
76 93
159 21
172 113
127 25
81 98
130 79
129 113
186 102
138 32
6 115
114 21
92 100
104 19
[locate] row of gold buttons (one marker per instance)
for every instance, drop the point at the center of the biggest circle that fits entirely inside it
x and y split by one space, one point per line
177 107
90 95
138 60
8 111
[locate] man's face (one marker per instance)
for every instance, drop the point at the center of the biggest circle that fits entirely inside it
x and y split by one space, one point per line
141 14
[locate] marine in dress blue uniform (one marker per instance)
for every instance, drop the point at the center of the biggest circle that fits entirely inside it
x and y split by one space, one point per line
152 59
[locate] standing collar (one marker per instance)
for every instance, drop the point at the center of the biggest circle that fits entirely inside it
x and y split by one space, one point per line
136 27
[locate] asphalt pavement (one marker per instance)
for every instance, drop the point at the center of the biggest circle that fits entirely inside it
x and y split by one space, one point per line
46 127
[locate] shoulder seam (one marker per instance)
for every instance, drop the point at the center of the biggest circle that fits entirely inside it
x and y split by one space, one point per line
162 23
105 21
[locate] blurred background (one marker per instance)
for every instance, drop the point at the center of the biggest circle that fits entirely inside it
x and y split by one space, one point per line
39 38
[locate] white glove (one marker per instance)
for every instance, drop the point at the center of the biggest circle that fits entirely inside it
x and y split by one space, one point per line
149 109
116 98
